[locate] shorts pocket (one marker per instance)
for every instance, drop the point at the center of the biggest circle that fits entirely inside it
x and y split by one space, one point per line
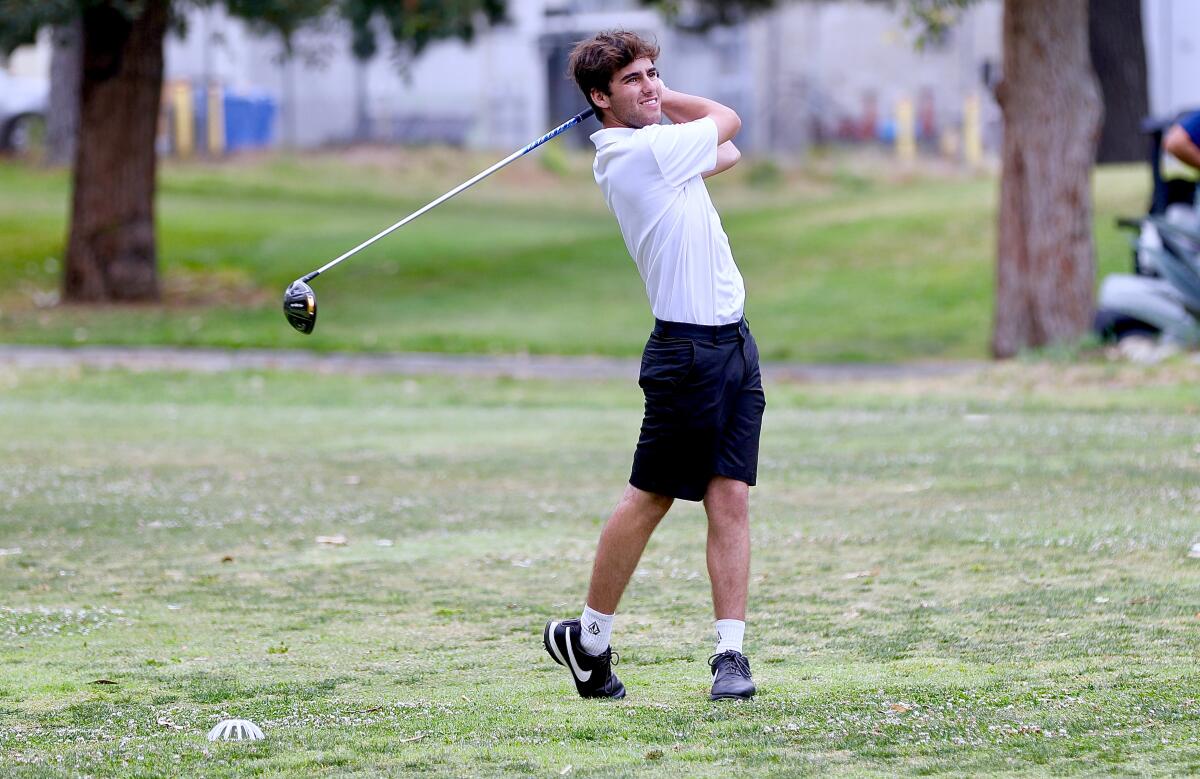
666 362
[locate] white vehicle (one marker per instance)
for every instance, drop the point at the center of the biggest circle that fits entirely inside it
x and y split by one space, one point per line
23 104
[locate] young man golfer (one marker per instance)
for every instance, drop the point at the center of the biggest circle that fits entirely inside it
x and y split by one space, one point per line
699 373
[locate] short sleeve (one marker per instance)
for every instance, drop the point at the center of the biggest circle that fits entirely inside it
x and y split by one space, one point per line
1191 124
686 150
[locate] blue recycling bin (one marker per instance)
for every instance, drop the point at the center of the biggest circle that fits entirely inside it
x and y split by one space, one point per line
249 119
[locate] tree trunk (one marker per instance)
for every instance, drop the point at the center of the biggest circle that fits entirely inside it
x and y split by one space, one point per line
66 70
1119 57
1045 266
111 250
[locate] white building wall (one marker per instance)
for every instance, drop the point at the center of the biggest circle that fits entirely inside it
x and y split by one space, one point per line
826 69
317 88
1172 29
799 72
495 87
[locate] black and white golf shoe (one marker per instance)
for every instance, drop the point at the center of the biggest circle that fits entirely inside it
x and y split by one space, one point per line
731 676
592 673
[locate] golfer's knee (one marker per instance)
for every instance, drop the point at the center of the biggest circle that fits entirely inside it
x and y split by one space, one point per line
647 504
727 492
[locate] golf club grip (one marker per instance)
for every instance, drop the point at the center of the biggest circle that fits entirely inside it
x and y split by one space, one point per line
567 125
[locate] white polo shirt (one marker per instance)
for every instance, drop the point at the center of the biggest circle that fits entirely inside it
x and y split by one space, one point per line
651 179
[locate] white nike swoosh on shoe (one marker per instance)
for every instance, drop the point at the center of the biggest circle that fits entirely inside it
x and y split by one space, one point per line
554 644
580 674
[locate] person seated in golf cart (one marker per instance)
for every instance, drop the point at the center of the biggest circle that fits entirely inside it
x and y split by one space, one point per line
1183 140
1162 297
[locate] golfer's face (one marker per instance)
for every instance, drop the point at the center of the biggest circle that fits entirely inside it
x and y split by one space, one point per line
635 95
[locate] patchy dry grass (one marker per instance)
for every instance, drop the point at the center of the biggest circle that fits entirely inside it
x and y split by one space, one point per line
978 574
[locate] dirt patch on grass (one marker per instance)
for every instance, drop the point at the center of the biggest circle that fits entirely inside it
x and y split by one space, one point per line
179 290
192 289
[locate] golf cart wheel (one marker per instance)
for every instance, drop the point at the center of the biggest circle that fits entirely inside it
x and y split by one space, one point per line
25 136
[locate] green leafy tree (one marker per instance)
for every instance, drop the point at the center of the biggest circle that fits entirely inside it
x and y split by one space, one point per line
1052 107
111 247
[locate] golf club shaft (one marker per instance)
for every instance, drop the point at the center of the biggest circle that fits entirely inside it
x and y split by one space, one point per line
567 125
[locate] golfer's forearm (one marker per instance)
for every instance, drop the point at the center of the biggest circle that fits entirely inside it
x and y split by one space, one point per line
727 156
1178 142
681 107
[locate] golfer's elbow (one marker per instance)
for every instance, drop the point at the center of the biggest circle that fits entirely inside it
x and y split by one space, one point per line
727 156
728 124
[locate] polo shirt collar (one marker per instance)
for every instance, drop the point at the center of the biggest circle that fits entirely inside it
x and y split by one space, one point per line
603 137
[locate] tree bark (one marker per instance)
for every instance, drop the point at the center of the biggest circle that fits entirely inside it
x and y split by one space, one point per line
111 250
1119 57
66 70
1045 264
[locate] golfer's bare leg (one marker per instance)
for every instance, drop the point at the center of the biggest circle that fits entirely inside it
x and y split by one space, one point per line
621 545
727 503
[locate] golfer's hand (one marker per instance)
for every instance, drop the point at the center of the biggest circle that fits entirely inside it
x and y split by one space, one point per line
680 107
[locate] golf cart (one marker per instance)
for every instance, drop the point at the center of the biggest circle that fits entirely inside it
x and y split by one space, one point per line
23 103
1161 298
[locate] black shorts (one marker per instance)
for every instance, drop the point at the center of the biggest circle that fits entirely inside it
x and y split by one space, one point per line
704 408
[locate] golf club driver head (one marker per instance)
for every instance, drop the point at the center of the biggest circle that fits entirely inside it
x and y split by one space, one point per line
300 306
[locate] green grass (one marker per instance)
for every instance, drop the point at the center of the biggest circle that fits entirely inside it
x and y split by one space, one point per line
955 576
839 267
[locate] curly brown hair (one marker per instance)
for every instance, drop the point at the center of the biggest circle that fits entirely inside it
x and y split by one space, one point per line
594 61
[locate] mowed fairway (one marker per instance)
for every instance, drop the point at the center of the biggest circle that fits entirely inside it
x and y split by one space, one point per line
849 261
986 573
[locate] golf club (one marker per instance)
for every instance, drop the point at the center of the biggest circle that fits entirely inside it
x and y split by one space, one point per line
300 302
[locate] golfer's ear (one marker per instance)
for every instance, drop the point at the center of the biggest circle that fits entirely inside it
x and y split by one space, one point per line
600 99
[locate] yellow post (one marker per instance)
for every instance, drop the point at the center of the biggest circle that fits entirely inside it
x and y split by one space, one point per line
972 132
906 131
185 121
216 120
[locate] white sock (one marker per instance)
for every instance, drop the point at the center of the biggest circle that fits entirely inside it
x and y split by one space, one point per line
596 630
730 633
